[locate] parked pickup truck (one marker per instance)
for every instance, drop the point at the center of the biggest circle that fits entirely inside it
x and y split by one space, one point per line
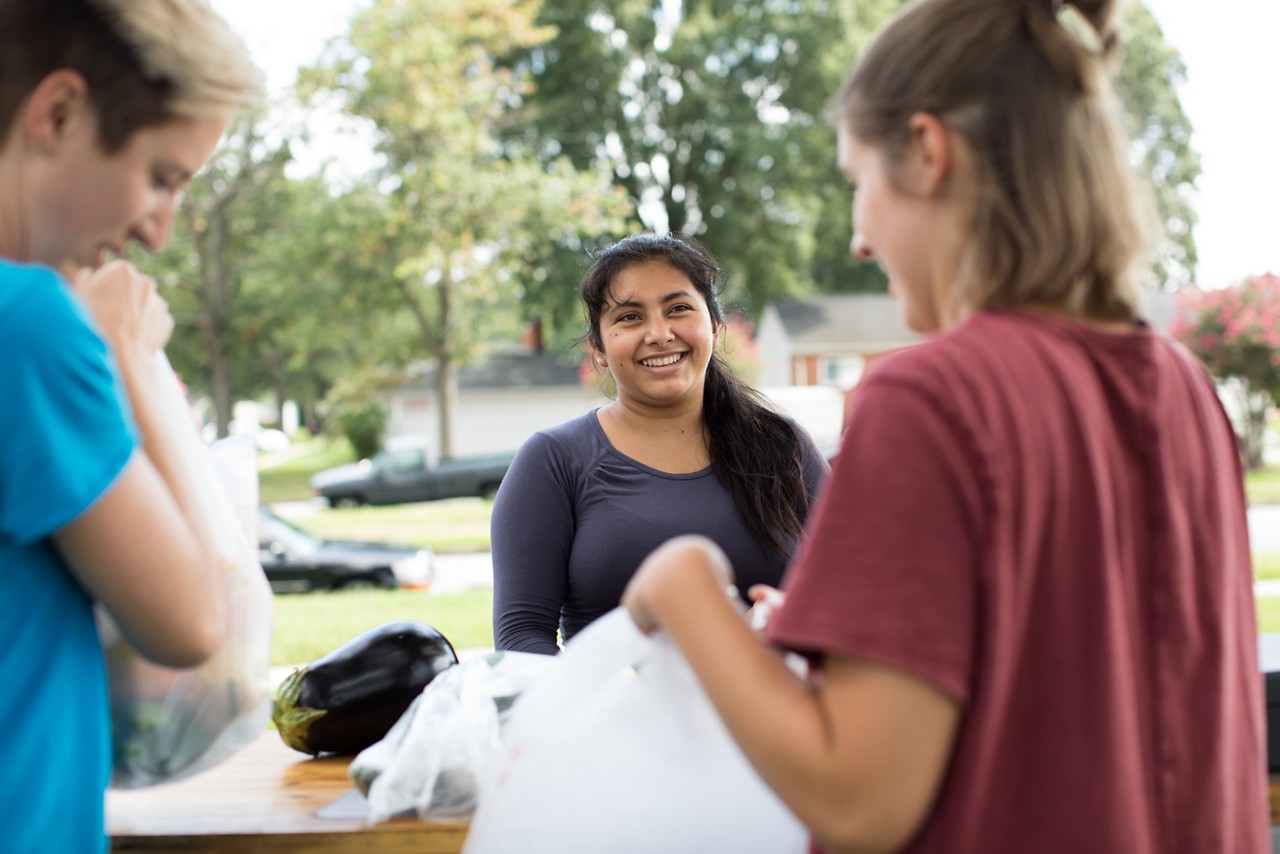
400 474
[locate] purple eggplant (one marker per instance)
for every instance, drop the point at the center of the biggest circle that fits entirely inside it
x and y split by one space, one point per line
348 699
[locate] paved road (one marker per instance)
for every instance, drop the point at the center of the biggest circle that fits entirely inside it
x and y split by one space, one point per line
461 572
1264 528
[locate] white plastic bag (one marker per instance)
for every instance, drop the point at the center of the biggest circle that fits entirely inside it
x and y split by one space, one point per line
618 749
170 723
434 759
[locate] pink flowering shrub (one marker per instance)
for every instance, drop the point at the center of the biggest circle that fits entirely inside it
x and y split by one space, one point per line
1236 333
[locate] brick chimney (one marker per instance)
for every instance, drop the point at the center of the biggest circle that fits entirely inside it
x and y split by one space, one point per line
533 335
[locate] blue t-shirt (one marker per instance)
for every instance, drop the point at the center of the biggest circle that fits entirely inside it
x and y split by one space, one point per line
65 436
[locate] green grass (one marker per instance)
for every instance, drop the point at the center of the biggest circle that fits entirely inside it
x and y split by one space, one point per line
309 625
1268 615
1263 487
287 476
1266 565
454 525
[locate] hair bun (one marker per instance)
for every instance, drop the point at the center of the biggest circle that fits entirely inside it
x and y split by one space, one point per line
1077 37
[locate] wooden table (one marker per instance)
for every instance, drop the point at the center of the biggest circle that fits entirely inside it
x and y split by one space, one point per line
265 799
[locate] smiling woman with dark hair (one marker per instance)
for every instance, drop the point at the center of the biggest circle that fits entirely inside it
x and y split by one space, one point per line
686 447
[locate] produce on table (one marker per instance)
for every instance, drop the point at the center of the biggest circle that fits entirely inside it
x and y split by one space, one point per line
348 699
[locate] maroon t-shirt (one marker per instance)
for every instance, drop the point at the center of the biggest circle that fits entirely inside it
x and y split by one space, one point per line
1047 521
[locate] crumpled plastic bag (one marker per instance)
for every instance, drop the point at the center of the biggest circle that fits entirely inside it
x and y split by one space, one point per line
435 758
619 749
169 723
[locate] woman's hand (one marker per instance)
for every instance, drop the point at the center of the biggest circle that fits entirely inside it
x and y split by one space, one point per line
764 601
677 573
132 315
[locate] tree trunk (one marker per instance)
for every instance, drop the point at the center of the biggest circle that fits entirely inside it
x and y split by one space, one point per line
446 371
1255 428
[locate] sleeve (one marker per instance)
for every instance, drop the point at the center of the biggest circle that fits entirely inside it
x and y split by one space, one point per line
532 531
73 435
887 570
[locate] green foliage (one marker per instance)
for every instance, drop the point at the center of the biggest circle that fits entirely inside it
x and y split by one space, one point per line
363 422
1147 85
1236 332
309 625
714 122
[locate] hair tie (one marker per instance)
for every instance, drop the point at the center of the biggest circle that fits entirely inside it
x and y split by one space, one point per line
1073 21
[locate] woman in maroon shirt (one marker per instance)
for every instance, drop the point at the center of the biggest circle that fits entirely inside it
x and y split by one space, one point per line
1026 590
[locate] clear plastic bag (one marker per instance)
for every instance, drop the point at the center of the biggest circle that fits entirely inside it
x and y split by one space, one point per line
444 748
619 749
169 723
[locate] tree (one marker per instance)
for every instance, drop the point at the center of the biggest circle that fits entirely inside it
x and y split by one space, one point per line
224 216
1236 333
1161 132
259 267
711 115
466 215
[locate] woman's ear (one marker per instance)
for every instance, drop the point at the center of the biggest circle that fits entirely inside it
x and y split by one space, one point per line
59 106
929 152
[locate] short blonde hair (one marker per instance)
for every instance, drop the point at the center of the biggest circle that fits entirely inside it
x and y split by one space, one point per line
188 45
1058 217
146 62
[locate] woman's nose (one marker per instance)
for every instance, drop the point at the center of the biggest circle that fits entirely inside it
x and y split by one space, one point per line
659 330
859 249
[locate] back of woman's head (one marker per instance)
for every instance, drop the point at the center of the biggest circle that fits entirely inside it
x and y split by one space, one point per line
1057 217
683 253
145 61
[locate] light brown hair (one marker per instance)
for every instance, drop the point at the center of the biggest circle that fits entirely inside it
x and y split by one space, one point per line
1058 218
146 62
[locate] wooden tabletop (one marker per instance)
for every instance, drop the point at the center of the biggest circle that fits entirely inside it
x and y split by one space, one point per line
266 798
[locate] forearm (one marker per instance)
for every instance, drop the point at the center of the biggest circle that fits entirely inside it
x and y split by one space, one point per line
822 762
162 449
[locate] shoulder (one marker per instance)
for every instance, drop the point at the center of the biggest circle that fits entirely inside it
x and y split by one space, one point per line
33 299
570 435
571 444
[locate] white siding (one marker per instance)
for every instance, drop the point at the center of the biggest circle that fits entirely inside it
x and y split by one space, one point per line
490 421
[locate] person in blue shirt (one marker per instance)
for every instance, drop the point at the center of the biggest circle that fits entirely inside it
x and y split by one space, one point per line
103 119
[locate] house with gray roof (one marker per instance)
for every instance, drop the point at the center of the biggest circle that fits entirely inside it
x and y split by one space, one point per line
518 390
828 339
831 339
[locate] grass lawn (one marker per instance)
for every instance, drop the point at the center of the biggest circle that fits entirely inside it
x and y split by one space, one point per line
1263 487
312 624
1266 565
1269 615
454 525
286 476
309 625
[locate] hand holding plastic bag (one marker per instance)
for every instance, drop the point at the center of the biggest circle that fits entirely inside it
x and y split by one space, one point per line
170 723
435 758
619 749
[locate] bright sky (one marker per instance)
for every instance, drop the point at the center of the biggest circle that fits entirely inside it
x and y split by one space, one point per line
1232 96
